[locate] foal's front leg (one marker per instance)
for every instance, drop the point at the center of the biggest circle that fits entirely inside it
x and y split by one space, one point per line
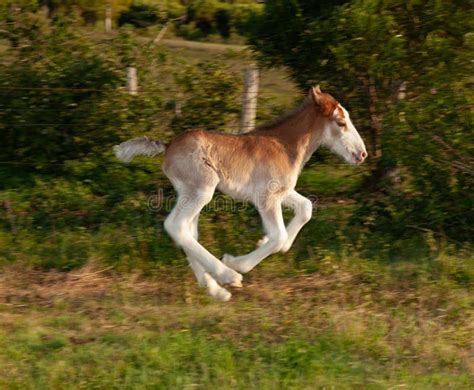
303 209
274 225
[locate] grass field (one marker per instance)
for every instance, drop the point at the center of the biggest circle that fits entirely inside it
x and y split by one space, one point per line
350 325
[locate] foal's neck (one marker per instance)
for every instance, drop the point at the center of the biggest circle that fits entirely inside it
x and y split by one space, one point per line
300 131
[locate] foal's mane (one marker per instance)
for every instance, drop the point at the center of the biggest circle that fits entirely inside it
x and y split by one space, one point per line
277 122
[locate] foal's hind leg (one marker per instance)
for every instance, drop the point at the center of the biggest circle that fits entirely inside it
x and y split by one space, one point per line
274 225
203 278
189 204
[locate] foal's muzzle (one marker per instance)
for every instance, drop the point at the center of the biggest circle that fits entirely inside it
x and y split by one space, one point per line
360 157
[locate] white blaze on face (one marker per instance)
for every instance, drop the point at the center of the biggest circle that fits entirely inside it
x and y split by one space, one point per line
343 138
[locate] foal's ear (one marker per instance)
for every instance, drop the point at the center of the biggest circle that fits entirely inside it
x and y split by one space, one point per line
326 103
316 94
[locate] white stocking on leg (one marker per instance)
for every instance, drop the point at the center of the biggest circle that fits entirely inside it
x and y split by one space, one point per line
178 225
204 279
274 225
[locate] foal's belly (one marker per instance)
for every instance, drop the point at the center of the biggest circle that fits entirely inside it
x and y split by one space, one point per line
236 190
256 193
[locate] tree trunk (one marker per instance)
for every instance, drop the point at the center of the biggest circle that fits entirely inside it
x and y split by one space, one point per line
249 100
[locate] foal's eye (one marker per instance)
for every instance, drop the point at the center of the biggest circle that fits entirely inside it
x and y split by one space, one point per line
341 123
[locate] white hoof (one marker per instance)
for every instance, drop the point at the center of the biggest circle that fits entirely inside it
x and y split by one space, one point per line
230 277
237 283
221 295
216 291
285 248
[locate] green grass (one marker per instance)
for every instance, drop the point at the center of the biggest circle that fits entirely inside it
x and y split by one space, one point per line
350 325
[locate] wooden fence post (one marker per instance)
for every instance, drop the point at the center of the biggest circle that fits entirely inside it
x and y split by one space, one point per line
402 91
249 100
108 18
132 81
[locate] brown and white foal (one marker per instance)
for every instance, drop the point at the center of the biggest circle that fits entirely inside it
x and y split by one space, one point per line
261 166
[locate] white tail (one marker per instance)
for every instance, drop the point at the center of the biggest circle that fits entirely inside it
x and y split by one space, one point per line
142 146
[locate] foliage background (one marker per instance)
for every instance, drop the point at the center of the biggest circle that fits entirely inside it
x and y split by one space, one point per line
386 259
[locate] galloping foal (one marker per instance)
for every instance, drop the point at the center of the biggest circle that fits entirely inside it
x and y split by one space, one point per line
261 166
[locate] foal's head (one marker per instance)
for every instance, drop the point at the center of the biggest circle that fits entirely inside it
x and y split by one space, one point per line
340 135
